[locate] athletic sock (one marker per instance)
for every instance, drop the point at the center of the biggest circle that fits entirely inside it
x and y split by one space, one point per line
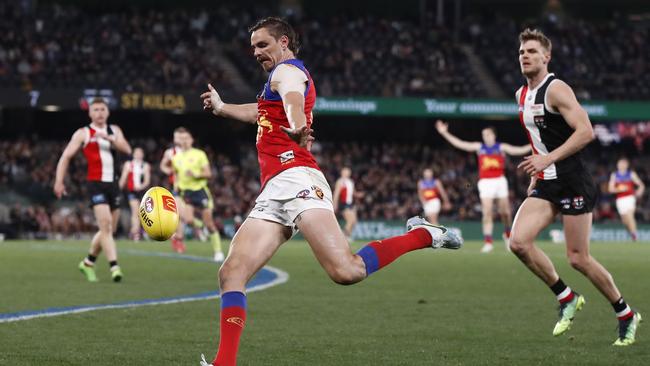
215 239
562 292
487 239
622 310
113 265
233 319
89 261
378 254
506 232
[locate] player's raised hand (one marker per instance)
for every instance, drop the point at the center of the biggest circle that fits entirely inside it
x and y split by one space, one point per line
441 126
59 190
302 136
534 164
212 100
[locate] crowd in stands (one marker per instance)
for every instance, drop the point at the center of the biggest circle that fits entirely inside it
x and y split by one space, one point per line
66 46
385 176
606 59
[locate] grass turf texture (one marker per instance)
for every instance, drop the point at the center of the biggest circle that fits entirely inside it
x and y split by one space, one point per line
430 307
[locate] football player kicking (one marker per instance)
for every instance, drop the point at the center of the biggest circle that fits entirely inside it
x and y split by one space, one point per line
295 194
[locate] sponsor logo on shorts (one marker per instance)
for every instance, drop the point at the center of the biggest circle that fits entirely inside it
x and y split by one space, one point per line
148 204
236 320
99 198
578 202
168 203
286 157
304 194
566 203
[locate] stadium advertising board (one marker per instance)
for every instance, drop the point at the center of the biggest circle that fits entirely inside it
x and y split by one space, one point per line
381 107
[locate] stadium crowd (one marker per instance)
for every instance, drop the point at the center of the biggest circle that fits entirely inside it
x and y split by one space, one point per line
384 174
67 46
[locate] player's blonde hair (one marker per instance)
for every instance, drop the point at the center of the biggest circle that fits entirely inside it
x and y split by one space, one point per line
535 35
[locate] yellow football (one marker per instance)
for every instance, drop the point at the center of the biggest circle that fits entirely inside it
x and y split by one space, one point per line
158 213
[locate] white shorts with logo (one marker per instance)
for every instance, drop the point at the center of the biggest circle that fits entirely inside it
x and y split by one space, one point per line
493 187
290 193
432 206
626 204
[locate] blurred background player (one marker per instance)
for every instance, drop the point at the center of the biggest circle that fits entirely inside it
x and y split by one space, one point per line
97 141
135 179
167 167
492 183
192 171
344 200
430 190
622 183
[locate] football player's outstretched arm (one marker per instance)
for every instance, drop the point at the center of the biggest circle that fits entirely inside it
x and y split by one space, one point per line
291 83
443 130
241 112
515 150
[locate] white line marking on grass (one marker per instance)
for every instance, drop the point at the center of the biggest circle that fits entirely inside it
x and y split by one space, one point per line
265 278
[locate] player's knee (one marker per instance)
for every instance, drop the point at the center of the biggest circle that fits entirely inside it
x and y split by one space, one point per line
105 225
579 260
519 245
487 217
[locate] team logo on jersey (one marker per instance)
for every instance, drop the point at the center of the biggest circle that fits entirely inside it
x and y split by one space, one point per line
578 202
566 203
318 191
540 122
287 157
148 204
168 203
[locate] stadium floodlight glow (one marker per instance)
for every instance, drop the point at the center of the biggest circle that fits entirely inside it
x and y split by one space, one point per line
51 108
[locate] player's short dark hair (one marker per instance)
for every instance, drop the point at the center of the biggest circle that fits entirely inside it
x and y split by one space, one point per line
535 35
182 129
491 128
277 28
98 100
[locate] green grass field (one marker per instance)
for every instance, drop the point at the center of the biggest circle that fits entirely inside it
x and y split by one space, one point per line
428 308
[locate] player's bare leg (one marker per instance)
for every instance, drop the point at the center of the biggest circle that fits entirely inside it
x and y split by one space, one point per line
320 229
487 223
533 216
350 217
331 248
134 230
102 241
253 245
433 218
215 237
506 218
576 232
630 224
177 240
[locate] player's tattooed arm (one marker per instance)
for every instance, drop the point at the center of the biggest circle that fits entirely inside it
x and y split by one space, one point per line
241 112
